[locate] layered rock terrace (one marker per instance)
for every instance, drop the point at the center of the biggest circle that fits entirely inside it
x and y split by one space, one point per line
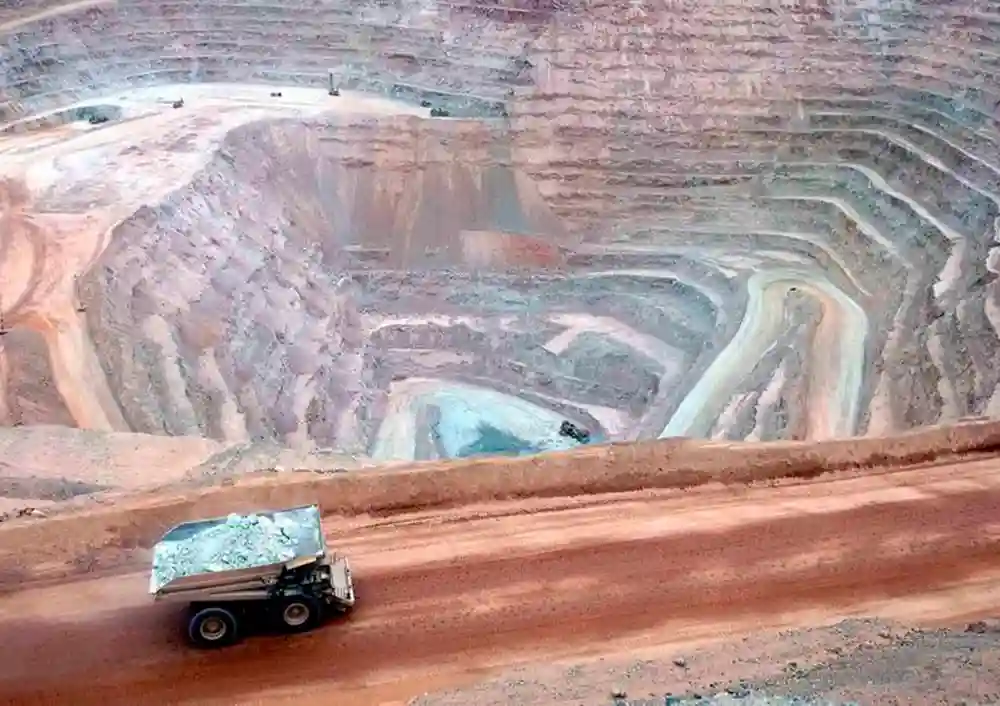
730 220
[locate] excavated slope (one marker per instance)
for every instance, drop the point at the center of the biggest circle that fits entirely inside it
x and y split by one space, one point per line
727 219
119 532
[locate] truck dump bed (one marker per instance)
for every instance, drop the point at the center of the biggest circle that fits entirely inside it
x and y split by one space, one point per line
218 556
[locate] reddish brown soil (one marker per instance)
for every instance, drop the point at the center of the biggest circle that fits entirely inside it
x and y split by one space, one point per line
447 596
108 534
864 662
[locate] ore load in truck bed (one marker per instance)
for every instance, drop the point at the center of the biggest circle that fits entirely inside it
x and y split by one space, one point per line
236 544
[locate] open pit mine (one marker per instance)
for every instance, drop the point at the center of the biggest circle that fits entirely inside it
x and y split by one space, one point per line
744 240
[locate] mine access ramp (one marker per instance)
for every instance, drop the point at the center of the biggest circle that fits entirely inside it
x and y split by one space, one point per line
233 570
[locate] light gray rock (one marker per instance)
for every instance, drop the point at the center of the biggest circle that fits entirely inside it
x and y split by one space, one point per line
242 542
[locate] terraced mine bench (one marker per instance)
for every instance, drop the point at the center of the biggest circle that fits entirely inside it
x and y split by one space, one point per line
711 172
232 569
103 48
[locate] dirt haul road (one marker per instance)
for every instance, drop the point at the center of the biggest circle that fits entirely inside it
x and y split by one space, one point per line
445 596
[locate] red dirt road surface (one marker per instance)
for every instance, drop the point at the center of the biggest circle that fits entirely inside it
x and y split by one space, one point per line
446 596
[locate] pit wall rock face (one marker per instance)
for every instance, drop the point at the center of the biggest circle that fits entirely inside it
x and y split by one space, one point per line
462 57
308 267
710 219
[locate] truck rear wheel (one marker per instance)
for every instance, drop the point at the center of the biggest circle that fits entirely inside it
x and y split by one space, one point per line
299 613
212 627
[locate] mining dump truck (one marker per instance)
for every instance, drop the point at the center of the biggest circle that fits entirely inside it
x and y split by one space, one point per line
237 569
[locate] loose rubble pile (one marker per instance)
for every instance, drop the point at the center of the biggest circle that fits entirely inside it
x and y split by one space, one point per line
22 512
241 542
730 700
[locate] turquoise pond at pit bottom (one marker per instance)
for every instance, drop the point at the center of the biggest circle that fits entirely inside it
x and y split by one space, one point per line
479 424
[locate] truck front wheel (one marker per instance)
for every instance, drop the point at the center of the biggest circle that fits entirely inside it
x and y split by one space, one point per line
212 627
299 613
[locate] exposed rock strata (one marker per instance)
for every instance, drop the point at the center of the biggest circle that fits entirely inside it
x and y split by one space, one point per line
712 220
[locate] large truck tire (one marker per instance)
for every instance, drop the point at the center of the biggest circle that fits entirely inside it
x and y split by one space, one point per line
212 627
299 613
